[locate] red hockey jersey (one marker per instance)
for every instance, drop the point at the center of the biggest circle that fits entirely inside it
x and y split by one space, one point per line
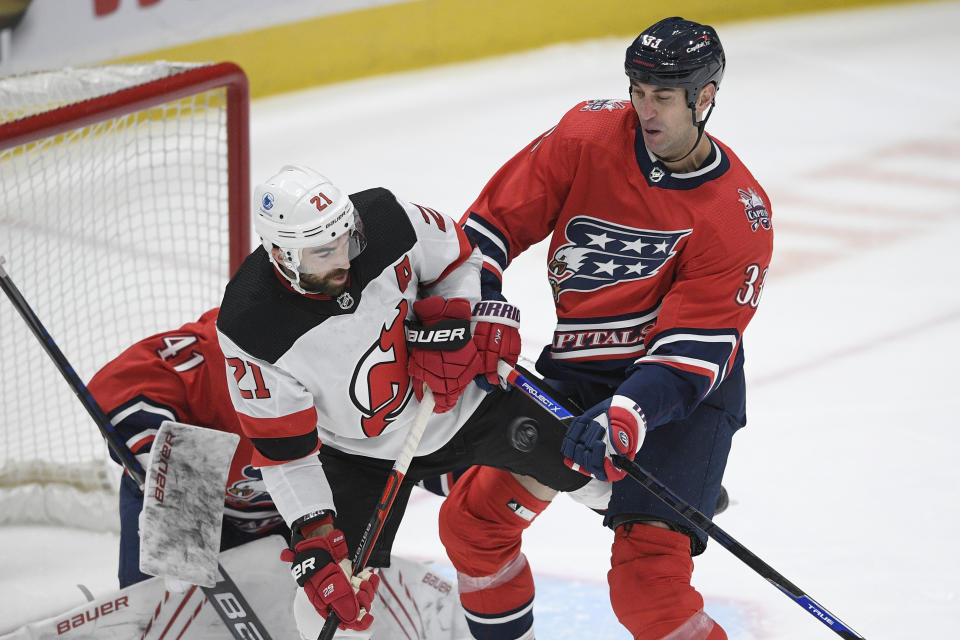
180 375
651 271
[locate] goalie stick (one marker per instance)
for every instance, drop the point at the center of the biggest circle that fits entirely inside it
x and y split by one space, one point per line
379 516
227 601
520 379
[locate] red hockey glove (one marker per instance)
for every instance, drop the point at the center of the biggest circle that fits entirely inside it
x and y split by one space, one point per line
321 567
614 426
441 352
497 337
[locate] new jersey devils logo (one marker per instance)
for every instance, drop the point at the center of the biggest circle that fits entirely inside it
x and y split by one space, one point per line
380 387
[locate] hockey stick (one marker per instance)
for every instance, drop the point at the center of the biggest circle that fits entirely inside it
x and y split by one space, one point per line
229 603
702 522
379 516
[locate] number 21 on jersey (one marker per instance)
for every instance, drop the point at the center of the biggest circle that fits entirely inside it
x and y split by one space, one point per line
240 369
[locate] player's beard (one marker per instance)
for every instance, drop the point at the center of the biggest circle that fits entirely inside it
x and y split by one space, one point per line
324 284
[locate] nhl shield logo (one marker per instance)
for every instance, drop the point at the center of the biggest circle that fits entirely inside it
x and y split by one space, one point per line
754 209
345 300
600 254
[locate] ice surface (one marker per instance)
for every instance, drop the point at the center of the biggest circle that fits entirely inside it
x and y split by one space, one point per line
845 479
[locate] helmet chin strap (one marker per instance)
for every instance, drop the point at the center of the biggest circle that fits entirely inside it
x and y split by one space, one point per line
700 127
289 265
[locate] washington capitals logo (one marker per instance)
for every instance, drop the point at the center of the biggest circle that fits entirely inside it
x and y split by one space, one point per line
600 254
755 209
250 488
603 105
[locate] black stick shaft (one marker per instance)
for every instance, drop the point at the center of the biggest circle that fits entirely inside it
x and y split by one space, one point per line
227 600
64 367
702 522
390 489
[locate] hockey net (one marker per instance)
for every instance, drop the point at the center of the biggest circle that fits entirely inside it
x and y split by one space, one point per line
125 210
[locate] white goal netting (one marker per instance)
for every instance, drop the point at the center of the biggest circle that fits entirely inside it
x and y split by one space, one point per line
123 189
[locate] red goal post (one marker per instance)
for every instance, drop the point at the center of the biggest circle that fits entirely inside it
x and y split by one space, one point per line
126 209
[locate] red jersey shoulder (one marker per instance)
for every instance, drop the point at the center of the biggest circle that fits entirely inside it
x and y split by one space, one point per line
600 120
732 202
163 367
744 195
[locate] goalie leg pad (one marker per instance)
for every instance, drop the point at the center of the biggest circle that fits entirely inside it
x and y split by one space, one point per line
650 586
310 622
481 524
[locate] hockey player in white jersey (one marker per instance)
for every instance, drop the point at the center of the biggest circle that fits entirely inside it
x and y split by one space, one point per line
314 328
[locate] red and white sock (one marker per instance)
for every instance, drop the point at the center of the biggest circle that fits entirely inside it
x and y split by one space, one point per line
481 524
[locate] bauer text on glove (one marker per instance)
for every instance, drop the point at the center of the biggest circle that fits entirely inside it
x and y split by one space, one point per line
441 351
321 567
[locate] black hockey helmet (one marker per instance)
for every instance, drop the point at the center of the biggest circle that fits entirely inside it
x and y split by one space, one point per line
677 53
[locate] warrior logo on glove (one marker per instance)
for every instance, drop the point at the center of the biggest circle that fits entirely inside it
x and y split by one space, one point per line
497 337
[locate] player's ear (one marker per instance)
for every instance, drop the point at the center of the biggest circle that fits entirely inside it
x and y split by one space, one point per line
707 94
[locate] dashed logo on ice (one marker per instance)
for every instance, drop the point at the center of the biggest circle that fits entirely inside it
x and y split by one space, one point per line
754 208
600 254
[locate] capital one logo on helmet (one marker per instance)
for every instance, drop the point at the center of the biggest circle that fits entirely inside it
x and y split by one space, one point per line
704 41
600 254
380 387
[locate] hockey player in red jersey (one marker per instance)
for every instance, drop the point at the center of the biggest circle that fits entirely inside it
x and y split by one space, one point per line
179 375
660 243
315 327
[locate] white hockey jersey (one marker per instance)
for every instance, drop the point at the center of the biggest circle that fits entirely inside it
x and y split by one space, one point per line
308 369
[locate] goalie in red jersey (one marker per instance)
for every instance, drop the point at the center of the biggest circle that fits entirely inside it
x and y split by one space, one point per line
661 239
179 375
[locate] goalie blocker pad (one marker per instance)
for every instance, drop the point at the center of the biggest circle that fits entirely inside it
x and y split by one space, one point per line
180 524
